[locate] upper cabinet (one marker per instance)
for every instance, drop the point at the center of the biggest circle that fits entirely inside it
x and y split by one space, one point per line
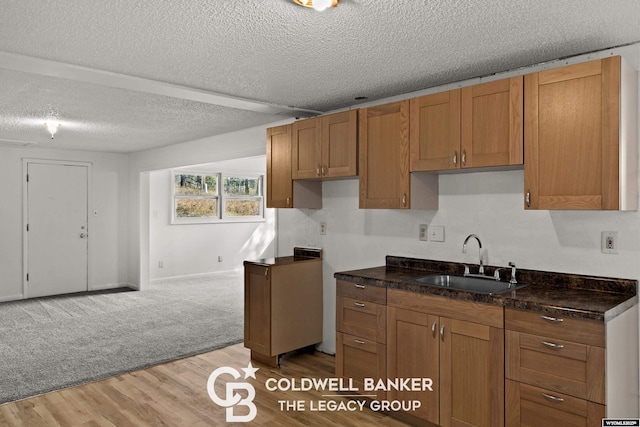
279 185
384 156
581 137
435 131
477 126
492 124
282 191
325 146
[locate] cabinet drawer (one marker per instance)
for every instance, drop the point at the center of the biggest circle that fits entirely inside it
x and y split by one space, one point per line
582 331
361 292
534 406
559 365
358 358
361 318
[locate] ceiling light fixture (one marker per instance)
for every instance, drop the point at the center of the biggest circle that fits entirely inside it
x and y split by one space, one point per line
52 127
317 4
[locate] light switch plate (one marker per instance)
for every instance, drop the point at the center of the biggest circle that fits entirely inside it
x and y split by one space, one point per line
436 233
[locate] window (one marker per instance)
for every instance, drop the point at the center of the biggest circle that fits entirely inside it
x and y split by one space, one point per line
242 196
215 197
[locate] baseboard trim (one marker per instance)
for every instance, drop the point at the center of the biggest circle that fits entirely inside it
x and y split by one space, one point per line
12 298
110 286
193 276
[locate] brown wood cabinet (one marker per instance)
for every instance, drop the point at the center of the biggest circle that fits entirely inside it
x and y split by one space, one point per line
384 156
477 126
282 307
459 345
279 183
581 137
555 369
282 191
361 317
326 146
435 131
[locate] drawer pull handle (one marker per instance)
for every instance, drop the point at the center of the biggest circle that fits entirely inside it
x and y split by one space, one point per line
552 319
553 345
550 397
359 342
433 328
359 286
442 332
358 304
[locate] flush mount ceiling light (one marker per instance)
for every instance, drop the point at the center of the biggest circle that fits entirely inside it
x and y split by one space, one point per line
52 127
317 4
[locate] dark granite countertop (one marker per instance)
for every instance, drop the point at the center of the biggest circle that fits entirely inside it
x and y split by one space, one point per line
572 295
299 255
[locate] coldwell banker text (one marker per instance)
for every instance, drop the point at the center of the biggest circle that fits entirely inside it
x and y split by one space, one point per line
348 388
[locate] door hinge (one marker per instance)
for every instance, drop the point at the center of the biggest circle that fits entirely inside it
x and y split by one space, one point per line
27 277
27 177
27 227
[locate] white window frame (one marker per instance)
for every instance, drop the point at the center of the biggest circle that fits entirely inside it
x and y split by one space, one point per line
260 196
220 216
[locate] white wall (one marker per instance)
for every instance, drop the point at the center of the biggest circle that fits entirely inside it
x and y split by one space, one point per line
246 143
489 204
193 249
107 232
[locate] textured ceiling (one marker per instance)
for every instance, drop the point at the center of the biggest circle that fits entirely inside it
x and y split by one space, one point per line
273 53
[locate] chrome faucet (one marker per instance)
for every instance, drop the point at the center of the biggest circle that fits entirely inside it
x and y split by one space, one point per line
513 280
464 250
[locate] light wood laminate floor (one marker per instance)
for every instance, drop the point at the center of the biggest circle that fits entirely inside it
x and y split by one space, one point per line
175 394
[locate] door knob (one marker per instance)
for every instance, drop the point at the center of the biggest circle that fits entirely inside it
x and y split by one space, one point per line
84 235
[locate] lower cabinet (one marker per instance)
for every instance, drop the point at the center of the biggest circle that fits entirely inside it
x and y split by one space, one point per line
555 369
361 318
460 346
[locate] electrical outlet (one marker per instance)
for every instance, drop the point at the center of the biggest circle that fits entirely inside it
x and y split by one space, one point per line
436 233
323 228
219 258
422 232
609 242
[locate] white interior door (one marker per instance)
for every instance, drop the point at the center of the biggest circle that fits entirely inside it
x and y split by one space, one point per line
57 236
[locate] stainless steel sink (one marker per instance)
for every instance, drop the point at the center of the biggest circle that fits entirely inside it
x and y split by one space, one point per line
478 285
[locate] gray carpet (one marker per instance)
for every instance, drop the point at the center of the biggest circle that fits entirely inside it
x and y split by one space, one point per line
57 342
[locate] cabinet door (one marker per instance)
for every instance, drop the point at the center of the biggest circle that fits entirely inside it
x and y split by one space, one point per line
257 309
492 124
384 156
279 184
412 342
571 136
305 149
435 131
471 374
340 144
359 358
